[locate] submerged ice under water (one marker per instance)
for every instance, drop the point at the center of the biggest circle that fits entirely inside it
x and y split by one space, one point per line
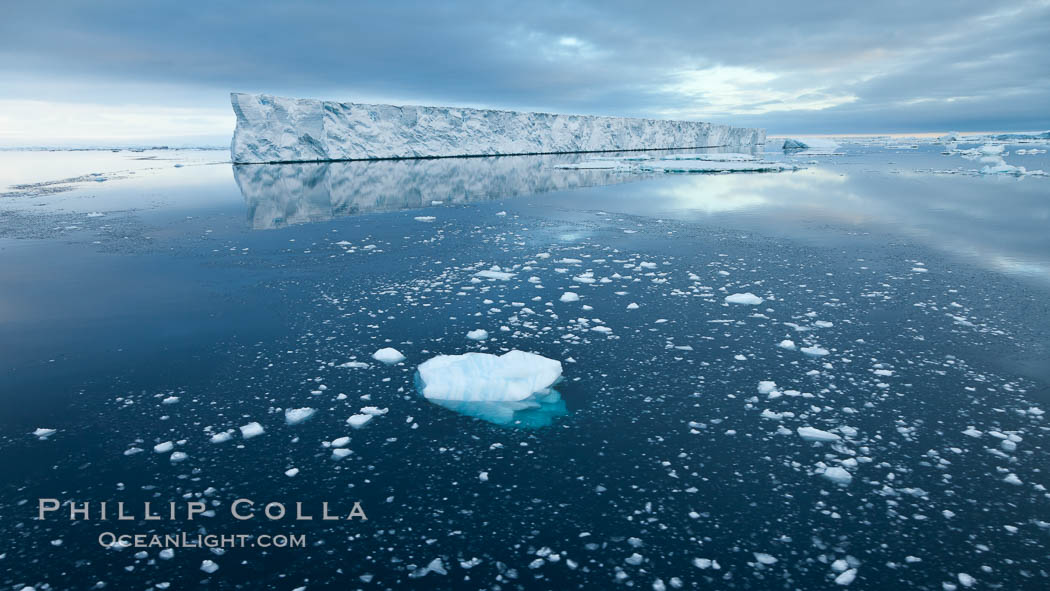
813 379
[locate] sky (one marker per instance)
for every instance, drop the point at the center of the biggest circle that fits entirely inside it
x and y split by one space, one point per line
140 73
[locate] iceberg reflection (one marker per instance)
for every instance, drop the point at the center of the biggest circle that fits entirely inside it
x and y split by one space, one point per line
278 195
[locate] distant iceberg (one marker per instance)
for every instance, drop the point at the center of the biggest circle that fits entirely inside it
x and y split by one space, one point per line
275 129
810 146
516 388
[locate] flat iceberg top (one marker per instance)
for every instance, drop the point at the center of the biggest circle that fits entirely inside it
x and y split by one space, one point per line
513 376
276 129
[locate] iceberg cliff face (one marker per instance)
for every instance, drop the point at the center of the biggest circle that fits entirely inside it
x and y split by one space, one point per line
275 129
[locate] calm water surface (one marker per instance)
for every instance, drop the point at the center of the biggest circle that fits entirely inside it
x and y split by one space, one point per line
166 296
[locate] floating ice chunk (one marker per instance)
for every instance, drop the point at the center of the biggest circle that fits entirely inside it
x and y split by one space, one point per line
435 566
764 558
166 554
601 329
787 344
252 429
810 146
290 472
814 434
837 475
358 421
209 567
478 335
1012 478
388 355
43 433
569 296
294 416
494 274
221 437
340 442
766 386
515 388
163 448
170 400
424 218
748 298
846 577
814 351
972 432
513 376
354 365
178 456
632 306
340 453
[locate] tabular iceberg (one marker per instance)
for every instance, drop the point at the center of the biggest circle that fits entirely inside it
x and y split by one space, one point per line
275 129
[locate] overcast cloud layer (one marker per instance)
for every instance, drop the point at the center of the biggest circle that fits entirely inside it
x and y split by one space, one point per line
127 72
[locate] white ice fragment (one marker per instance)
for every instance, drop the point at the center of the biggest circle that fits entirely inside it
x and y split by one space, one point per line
837 475
569 296
221 437
209 567
846 577
388 355
766 386
1012 478
764 558
435 566
252 429
424 218
494 274
748 299
632 306
43 432
163 448
290 472
787 344
178 456
814 351
478 335
814 434
358 421
513 376
294 416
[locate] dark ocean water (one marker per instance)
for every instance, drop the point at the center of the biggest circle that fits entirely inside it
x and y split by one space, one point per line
207 297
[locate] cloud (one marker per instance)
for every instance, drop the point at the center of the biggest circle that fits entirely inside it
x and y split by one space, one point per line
790 67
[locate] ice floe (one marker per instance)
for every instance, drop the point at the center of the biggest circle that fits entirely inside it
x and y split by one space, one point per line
748 299
388 355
